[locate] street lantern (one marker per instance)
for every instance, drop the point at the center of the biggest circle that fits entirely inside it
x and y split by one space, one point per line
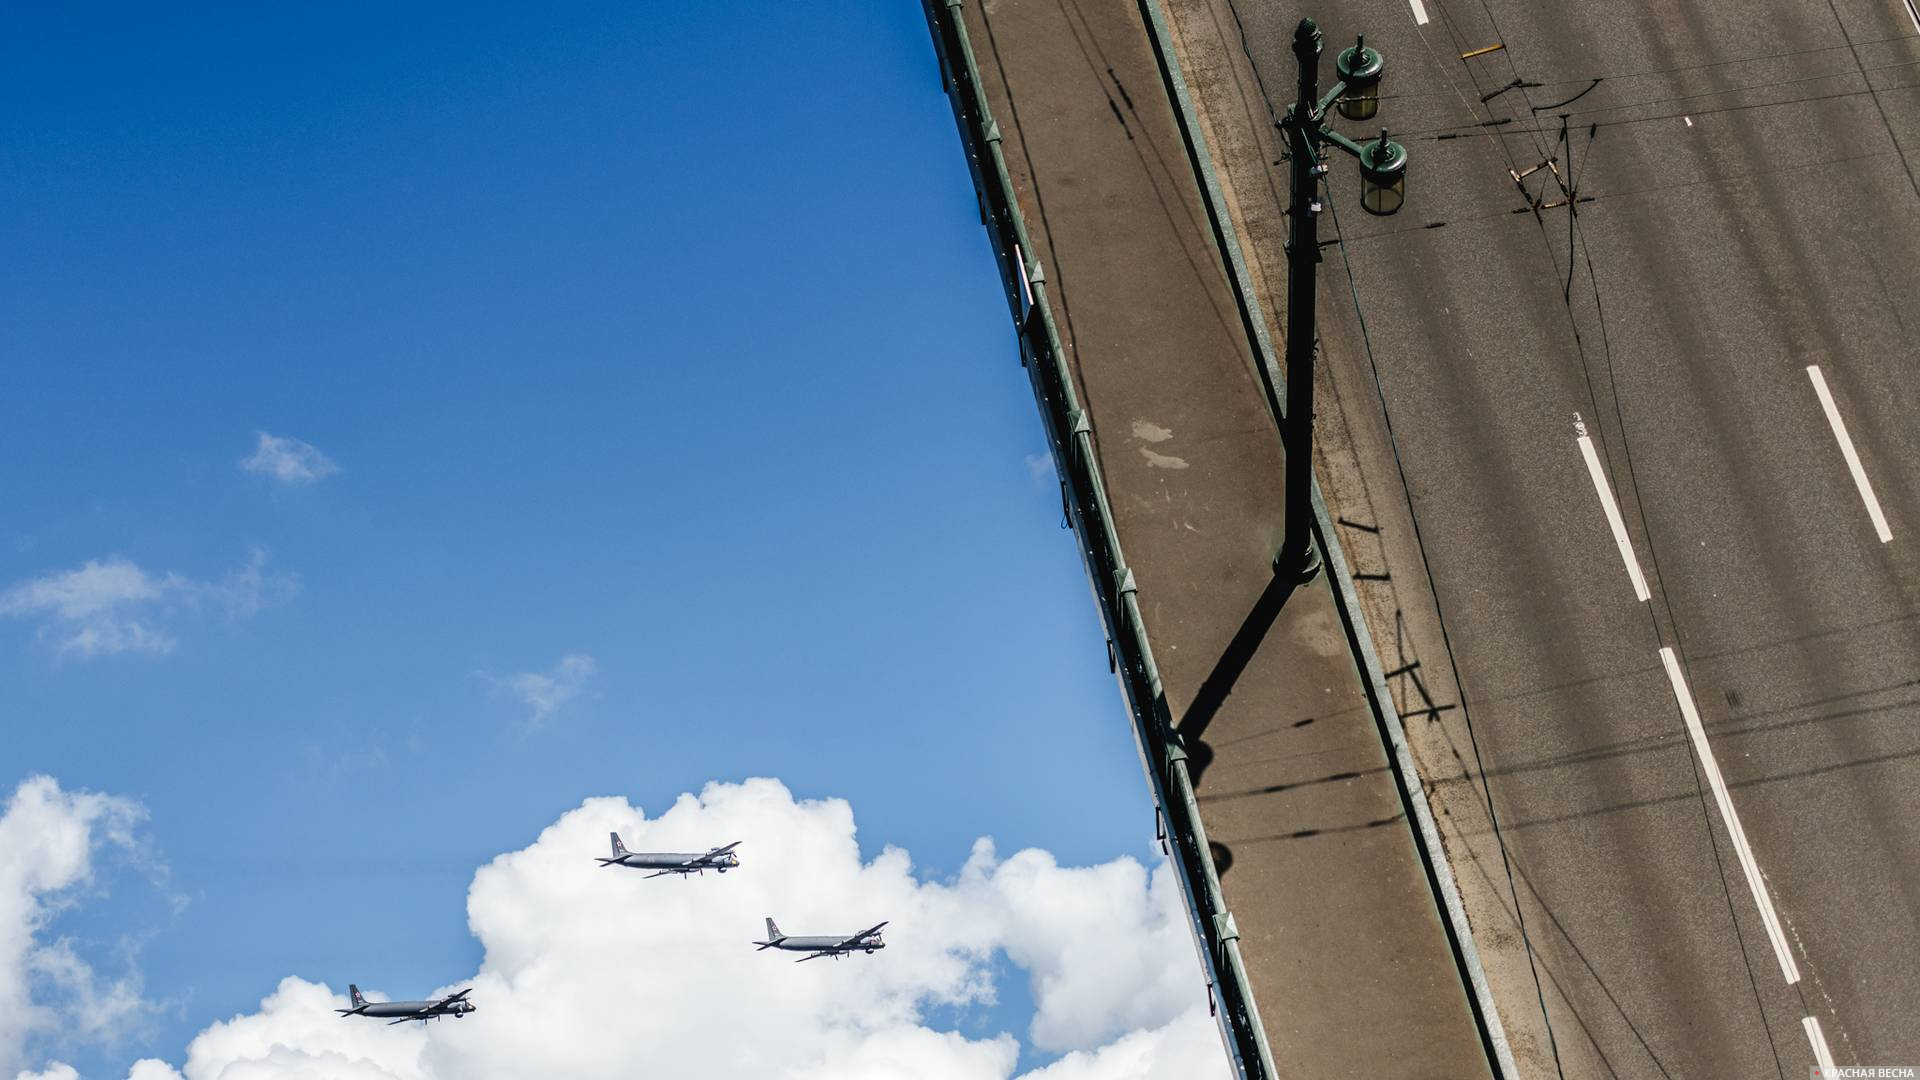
1359 68
1383 176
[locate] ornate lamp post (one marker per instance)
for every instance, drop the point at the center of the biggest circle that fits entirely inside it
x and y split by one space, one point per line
1383 189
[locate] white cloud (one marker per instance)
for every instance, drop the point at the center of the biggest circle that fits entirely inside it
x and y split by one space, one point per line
99 608
113 606
1163 1053
48 838
1057 923
593 973
1040 469
288 460
544 692
80 594
244 591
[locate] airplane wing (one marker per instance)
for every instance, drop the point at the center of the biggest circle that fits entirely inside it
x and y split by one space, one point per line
701 860
813 956
860 937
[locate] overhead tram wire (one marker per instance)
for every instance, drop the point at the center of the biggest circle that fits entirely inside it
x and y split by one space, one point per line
1506 858
1580 345
1476 128
1457 131
1741 89
1446 637
1621 76
1885 121
1576 233
1504 128
1585 200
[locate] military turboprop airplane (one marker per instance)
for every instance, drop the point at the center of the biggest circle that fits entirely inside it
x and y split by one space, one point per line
721 859
865 941
454 1005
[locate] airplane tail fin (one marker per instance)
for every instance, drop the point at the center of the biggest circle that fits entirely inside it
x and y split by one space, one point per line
619 848
773 936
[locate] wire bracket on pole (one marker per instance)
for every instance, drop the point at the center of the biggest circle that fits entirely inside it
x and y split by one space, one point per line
1522 174
1541 202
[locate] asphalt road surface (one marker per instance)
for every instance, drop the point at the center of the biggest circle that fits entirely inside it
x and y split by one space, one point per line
1701 730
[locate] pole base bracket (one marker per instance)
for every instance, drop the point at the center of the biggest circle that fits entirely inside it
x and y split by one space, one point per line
1298 568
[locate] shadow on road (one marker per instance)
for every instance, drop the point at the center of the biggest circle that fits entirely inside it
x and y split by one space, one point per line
1218 685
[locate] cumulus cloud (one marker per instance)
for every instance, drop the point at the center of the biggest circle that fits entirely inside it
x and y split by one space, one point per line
48 992
112 605
543 692
1164 1053
288 460
592 972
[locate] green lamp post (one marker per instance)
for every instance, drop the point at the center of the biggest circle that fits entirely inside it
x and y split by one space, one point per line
1383 190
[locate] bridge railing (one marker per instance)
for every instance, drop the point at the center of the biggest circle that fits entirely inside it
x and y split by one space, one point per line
1070 435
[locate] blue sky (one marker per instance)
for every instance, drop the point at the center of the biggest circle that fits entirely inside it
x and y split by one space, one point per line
664 335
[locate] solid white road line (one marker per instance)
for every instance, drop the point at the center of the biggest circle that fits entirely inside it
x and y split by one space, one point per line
1821 1054
1732 820
1846 448
1613 517
1419 12
1913 12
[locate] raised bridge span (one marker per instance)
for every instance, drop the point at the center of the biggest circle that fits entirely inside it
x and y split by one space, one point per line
1597 751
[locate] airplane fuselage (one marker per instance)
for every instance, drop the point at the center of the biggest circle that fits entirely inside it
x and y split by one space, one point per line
826 944
394 1010
668 860
388 1010
720 859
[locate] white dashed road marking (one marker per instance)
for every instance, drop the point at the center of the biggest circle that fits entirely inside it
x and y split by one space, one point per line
1732 820
1821 1054
1846 449
1613 517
